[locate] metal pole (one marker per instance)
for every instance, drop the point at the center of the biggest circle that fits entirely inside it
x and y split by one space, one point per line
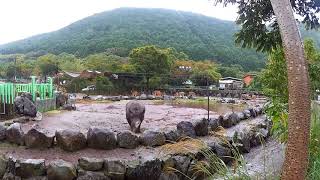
208 99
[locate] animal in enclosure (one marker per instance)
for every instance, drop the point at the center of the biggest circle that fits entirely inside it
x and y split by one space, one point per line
135 115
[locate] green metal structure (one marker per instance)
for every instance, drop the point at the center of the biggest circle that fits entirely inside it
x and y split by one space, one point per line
9 91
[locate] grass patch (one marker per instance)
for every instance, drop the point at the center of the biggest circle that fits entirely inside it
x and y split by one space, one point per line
314 147
184 146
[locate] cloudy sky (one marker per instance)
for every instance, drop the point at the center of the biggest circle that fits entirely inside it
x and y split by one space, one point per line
23 18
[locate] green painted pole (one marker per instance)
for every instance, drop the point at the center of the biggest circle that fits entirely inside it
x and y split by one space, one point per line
33 88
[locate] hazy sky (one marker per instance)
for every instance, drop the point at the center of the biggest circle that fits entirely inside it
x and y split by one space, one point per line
23 18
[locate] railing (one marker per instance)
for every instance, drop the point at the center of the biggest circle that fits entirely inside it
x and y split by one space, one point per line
9 91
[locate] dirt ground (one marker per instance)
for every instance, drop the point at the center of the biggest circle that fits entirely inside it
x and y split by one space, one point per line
112 115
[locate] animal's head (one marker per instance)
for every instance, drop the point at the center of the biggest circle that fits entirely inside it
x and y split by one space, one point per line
135 125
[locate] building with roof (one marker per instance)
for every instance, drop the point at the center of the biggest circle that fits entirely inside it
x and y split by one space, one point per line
230 83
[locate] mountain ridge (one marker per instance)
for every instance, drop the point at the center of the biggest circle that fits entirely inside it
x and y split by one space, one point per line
120 30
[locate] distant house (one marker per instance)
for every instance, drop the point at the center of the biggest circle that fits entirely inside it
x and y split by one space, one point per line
88 74
230 83
248 78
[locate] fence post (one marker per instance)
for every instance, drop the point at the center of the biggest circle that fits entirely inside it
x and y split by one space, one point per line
33 88
50 87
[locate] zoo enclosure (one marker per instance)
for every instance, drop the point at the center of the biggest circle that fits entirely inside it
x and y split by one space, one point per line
9 91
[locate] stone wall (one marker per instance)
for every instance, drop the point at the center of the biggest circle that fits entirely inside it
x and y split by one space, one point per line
138 169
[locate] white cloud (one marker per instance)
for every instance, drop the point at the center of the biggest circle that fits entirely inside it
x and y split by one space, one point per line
23 18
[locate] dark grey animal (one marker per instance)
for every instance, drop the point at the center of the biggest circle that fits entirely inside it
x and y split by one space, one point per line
135 115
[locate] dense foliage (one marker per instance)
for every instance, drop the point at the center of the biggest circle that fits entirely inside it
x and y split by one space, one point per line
121 30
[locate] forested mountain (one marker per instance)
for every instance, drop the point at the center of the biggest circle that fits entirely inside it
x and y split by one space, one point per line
120 30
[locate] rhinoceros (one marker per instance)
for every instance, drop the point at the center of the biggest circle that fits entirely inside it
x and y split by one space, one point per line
135 115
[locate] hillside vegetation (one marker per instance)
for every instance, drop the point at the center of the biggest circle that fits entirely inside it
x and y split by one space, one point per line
123 29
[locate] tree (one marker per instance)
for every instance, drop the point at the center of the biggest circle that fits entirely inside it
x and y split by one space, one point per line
254 32
151 61
48 65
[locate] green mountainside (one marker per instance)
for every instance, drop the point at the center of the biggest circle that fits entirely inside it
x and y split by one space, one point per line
120 30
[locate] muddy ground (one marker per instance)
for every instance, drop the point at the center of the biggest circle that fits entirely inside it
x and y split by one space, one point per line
112 115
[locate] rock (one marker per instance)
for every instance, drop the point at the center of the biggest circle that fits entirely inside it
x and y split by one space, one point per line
186 129
182 163
234 118
14 134
246 114
227 122
68 107
214 123
201 127
241 116
224 153
30 167
153 138
253 113
3 165
61 99
60 169
127 140
101 138
23 105
135 115
10 176
150 169
70 140
151 97
91 164
171 135
242 141
259 110
37 137
3 130
89 175
115 169
168 176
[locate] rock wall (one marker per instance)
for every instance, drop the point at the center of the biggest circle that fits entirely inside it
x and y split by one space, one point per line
138 169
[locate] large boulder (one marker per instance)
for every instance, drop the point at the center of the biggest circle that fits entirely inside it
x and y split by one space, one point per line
227 122
201 127
241 140
14 134
101 138
222 151
135 115
214 123
153 138
169 176
91 164
115 169
70 140
24 106
127 140
234 118
171 134
181 163
38 137
3 165
253 112
149 169
89 175
61 99
186 129
3 130
60 169
246 114
27 168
